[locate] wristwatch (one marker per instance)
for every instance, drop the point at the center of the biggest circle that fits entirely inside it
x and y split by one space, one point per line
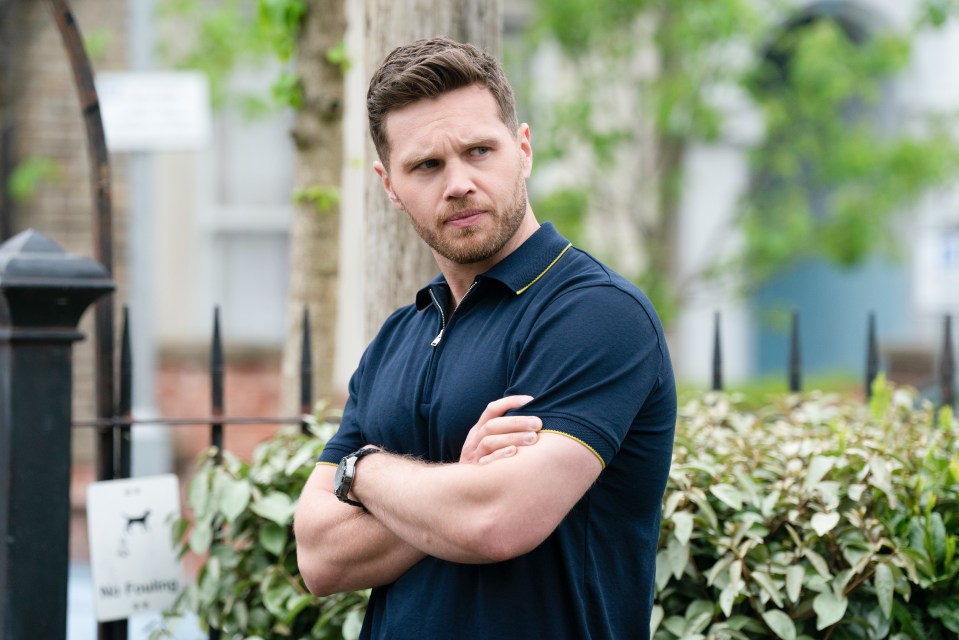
346 472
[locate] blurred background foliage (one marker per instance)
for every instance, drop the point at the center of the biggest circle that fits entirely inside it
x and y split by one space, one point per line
832 167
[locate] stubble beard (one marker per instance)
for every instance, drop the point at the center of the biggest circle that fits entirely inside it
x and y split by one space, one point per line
469 244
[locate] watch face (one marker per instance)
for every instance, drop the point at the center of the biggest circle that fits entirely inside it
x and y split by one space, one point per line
338 484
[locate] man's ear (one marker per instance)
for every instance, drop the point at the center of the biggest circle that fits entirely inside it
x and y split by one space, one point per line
526 148
385 177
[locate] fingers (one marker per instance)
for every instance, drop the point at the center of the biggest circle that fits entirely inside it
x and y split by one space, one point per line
501 434
495 432
505 452
498 408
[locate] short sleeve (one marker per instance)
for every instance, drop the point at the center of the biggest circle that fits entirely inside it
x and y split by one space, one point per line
348 437
593 356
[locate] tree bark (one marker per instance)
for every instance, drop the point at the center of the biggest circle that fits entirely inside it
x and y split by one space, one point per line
314 230
398 263
9 21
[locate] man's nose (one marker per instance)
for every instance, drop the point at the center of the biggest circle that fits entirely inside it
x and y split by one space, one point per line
459 181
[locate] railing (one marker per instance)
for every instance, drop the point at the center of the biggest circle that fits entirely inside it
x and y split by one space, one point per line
946 375
115 461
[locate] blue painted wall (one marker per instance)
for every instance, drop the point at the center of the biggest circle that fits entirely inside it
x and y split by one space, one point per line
833 306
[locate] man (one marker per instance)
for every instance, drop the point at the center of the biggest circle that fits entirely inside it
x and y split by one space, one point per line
539 519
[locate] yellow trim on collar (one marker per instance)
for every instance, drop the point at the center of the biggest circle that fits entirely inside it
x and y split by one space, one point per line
546 269
563 433
332 464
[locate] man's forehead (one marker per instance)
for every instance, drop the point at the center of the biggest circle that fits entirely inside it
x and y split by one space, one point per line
464 118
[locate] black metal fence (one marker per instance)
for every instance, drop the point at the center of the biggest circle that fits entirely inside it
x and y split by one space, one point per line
945 376
114 440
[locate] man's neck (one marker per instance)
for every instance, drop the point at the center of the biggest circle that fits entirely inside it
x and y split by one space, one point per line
460 277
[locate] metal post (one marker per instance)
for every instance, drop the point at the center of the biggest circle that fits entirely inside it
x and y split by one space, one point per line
947 367
872 355
717 356
43 294
216 402
306 370
216 385
795 364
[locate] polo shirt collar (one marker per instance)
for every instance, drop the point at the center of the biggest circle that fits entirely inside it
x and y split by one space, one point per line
521 269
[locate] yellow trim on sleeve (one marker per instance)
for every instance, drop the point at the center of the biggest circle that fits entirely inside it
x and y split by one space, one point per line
546 269
563 433
332 464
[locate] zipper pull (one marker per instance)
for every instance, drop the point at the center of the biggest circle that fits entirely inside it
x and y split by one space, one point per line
436 340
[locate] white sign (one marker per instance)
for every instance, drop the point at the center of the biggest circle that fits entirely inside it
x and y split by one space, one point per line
155 110
134 565
937 270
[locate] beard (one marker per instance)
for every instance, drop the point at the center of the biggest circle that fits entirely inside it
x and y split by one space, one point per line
471 244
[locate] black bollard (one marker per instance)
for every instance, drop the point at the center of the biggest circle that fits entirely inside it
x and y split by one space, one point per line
43 293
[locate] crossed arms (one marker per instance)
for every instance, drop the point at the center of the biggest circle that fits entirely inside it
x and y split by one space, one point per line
501 500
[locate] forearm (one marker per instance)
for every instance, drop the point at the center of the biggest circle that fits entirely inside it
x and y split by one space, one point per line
477 513
342 548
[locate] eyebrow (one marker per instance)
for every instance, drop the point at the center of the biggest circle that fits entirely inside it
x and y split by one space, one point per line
416 160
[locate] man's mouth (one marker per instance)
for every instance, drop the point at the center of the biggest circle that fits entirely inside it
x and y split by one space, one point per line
464 218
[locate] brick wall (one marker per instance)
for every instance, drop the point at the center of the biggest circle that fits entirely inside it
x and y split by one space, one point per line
48 124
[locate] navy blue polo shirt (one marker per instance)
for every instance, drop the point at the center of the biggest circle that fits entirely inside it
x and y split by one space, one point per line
551 322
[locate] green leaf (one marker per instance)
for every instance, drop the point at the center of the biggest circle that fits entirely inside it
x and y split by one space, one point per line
683 526
794 580
829 609
275 506
676 625
198 493
823 523
818 563
781 624
879 477
234 497
885 587
765 581
201 537
663 571
306 454
273 538
678 555
353 624
727 597
819 466
655 619
728 494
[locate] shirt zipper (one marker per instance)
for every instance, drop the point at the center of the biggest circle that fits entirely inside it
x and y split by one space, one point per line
439 336
436 303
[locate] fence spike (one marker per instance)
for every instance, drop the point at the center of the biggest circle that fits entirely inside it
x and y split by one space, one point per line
306 369
872 354
125 399
717 355
795 364
947 367
216 384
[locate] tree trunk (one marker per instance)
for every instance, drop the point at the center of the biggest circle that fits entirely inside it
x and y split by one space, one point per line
9 20
314 230
398 263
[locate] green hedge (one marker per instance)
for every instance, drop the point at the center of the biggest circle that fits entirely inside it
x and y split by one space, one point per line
812 517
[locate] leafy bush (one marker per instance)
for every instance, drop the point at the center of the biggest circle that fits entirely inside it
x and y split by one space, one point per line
249 585
811 517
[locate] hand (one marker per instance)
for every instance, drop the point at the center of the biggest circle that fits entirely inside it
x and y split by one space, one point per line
496 435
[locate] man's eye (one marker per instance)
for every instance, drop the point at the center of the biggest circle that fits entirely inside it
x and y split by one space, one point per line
428 164
480 151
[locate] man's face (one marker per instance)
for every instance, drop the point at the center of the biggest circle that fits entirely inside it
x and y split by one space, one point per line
459 174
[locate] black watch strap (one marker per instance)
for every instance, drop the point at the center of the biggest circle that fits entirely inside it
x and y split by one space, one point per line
357 456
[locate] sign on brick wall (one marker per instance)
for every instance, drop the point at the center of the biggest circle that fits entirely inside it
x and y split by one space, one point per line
134 565
155 110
